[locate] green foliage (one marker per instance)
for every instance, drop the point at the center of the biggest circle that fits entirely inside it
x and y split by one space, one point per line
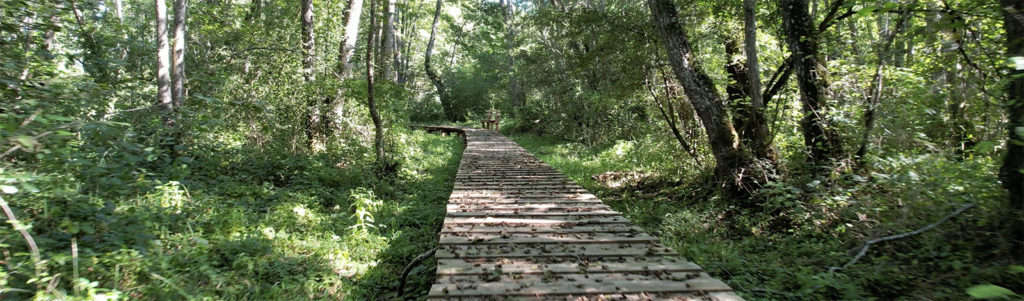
234 202
988 291
810 224
271 225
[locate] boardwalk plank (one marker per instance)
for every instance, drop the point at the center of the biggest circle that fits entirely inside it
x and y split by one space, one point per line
517 229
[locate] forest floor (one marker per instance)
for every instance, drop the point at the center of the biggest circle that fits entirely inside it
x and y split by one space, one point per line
825 224
242 224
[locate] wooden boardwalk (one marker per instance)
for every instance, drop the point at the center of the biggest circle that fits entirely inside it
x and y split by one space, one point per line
517 229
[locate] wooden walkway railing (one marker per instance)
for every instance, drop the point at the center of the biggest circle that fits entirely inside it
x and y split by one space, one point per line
518 229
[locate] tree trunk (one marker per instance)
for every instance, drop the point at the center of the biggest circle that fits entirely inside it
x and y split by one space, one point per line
959 125
750 44
668 112
747 117
378 137
347 48
178 92
163 63
1012 171
515 91
732 164
313 114
442 89
851 26
94 61
308 43
386 50
119 11
820 139
400 21
884 51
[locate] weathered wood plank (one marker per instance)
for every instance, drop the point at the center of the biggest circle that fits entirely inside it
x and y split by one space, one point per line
516 228
474 228
529 266
537 220
544 238
551 250
527 214
580 287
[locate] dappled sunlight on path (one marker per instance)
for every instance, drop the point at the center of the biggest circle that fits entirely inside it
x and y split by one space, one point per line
517 228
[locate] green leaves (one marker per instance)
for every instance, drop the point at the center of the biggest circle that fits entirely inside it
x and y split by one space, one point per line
1015 63
28 142
989 291
8 189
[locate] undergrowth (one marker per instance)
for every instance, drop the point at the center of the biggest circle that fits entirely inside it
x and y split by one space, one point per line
828 217
226 222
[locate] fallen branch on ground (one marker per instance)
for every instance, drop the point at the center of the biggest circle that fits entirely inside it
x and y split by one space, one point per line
408 268
864 250
33 249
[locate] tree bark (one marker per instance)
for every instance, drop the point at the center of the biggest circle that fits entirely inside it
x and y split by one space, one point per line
668 112
822 142
1012 171
94 62
308 42
398 46
747 117
515 91
378 137
442 89
750 44
386 49
732 163
876 85
313 114
163 62
178 92
347 48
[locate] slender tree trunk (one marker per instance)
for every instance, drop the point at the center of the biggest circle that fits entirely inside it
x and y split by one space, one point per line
1012 171
407 74
731 162
386 50
820 139
750 44
378 137
959 125
335 107
515 91
747 118
163 63
94 62
855 46
347 48
871 105
178 92
442 89
50 34
397 46
119 11
756 134
667 110
308 42
313 114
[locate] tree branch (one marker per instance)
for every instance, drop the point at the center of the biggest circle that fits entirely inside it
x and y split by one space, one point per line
864 250
408 268
33 248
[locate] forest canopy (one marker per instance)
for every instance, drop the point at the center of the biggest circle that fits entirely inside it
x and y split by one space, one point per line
268 149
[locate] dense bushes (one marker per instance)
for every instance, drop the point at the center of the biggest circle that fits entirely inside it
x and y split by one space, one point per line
827 219
228 224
